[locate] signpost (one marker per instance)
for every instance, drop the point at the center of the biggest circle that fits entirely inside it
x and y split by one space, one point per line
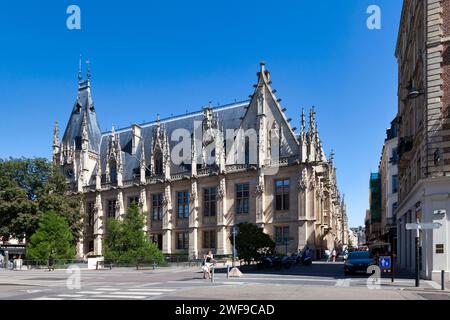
420 226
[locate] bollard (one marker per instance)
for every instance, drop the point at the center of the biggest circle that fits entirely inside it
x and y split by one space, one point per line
154 265
228 271
212 274
442 280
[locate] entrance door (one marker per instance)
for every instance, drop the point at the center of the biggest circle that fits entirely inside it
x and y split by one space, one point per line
160 240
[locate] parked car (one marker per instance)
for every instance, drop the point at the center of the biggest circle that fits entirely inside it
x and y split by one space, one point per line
358 261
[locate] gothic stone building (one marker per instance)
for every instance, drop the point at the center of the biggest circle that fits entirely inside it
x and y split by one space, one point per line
288 187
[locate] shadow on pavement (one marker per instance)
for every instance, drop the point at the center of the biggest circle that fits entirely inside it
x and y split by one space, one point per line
317 269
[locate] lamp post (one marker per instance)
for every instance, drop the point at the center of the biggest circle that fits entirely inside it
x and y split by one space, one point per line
234 232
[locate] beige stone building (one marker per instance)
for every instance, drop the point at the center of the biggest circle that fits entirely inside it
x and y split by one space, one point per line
196 175
423 56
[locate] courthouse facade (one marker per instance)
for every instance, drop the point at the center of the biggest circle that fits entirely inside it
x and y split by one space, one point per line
196 175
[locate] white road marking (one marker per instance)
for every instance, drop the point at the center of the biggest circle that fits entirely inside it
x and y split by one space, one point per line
110 296
47 298
90 292
107 289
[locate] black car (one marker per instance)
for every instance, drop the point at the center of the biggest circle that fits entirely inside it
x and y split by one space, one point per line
358 261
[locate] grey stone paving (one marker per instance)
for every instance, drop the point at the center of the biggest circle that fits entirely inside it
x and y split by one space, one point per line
320 281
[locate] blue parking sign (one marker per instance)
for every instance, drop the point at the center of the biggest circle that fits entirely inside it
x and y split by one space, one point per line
385 262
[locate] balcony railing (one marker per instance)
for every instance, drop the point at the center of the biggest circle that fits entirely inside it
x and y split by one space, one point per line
180 176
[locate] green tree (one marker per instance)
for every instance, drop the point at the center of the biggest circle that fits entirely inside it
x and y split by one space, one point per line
252 242
53 236
30 187
127 243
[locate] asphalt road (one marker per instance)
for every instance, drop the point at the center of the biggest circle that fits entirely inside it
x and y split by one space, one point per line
319 281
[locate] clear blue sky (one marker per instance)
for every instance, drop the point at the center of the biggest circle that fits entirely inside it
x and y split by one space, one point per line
167 57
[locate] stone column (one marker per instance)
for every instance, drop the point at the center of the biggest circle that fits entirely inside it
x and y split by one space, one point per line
221 219
167 220
193 220
98 225
144 207
80 243
259 193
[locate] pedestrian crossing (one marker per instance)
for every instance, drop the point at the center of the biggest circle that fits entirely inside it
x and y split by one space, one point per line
109 293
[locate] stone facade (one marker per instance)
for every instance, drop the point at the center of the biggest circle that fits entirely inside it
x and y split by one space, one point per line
192 196
424 132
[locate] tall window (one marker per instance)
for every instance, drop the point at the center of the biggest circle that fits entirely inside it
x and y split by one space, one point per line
394 183
113 171
281 235
111 209
282 195
183 240
158 163
90 213
209 202
209 239
242 198
183 205
132 200
157 206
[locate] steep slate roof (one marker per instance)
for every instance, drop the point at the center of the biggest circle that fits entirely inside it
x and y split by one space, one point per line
229 116
83 105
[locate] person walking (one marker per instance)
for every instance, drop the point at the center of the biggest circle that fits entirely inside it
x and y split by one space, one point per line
50 263
327 255
208 262
334 253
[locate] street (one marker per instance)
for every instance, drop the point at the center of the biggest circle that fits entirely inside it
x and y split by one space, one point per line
322 281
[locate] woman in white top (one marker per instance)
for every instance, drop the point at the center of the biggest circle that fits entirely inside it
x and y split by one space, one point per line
208 263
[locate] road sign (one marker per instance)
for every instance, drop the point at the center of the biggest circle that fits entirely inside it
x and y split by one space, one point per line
385 262
423 226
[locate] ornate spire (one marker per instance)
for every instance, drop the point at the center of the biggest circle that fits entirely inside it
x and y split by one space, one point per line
80 75
55 134
312 120
303 124
88 63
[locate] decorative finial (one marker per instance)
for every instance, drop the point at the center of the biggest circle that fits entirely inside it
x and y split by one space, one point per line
88 68
303 124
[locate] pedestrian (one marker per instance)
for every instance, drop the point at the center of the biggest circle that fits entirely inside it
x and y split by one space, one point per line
334 253
208 262
50 263
327 255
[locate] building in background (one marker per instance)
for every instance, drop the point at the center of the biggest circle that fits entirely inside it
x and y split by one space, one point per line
373 215
423 55
288 188
389 186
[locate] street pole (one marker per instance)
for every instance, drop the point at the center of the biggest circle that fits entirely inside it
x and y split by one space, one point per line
417 259
234 244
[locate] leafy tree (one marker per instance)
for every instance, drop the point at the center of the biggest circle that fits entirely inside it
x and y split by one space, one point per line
28 188
252 242
126 242
53 236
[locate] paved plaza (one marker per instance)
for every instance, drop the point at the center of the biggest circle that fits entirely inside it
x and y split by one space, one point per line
319 281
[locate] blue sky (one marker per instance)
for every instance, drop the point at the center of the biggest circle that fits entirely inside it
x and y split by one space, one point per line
150 57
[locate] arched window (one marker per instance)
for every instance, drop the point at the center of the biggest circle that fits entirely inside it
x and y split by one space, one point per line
113 171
